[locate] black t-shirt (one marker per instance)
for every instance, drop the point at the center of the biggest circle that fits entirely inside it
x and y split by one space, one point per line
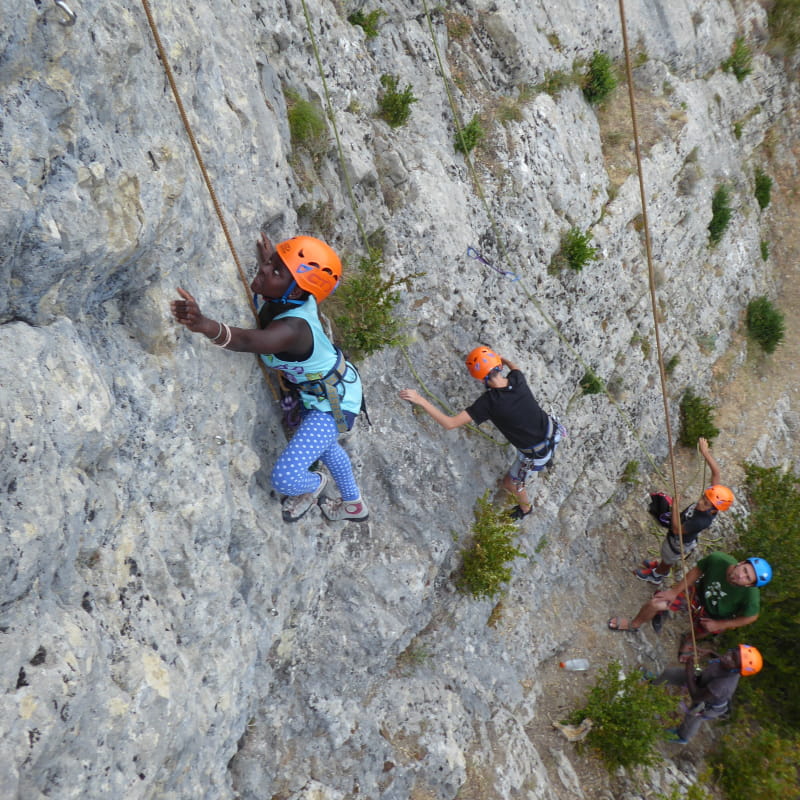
693 522
514 411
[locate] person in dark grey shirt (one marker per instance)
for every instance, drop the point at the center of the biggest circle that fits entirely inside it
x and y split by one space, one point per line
711 690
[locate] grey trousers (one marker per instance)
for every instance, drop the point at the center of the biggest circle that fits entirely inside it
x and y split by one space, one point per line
676 676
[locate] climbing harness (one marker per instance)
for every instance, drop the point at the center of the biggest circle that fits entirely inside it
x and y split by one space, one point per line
478 256
540 456
327 386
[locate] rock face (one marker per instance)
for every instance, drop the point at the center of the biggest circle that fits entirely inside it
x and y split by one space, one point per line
164 634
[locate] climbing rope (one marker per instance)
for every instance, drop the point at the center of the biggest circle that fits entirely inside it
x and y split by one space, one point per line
162 54
505 256
654 308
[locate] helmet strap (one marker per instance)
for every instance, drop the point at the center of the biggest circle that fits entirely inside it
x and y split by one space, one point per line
285 300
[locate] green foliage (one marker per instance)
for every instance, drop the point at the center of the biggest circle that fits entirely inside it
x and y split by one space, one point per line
469 136
485 566
763 189
591 384
738 128
784 23
764 250
599 80
720 214
740 62
765 323
697 419
631 473
628 715
757 762
307 124
363 308
575 251
556 82
772 531
394 106
367 22
678 792
670 366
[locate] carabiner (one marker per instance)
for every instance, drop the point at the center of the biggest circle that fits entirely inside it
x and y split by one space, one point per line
70 15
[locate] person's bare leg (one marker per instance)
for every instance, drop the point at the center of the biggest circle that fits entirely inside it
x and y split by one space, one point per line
517 491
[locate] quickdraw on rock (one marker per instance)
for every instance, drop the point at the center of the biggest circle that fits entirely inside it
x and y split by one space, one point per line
478 256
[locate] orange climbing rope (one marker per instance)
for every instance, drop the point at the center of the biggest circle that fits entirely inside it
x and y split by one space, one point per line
217 208
654 306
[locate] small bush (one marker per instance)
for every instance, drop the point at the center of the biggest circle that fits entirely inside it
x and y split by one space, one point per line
485 562
600 80
631 473
576 251
469 136
591 384
740 62
307 124
763 189
697 419
720 214
628 715
738 129
395 106
671 365
765 324
363 308
764 250
367 22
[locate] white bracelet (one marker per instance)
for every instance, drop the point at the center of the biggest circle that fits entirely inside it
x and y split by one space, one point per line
219 333
228 336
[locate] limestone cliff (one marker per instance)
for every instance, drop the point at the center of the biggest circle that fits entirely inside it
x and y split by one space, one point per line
163 633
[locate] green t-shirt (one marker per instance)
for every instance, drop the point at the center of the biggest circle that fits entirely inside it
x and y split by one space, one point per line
723 600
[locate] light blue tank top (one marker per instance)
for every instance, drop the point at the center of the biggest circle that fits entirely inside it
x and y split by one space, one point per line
322 360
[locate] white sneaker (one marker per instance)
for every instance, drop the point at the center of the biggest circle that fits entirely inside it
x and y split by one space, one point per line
296 506
334 510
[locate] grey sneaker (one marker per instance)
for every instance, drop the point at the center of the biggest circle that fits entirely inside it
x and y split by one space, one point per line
334 510
649 575
296 506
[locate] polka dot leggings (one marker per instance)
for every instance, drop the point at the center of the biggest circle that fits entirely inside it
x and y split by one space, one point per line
315 439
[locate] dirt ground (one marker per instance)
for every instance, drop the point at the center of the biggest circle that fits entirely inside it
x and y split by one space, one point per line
744 397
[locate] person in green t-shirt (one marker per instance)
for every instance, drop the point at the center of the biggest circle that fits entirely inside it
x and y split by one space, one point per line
722 591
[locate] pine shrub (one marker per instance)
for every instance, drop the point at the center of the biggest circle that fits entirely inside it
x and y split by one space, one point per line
720 214
740 62
591 384
363 308
599 81
628 717
765 324
763 190
485 567
367 22
394 106
469 136
697 419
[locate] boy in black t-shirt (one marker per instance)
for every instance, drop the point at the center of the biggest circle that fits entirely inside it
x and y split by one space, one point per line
693 520
509 404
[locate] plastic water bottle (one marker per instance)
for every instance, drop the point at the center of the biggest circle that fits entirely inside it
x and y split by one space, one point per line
575 664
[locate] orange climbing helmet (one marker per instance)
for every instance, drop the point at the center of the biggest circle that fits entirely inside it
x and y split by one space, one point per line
314 265
481 361
750 660
721 497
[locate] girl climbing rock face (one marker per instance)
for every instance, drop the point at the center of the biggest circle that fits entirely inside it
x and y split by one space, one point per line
292 278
